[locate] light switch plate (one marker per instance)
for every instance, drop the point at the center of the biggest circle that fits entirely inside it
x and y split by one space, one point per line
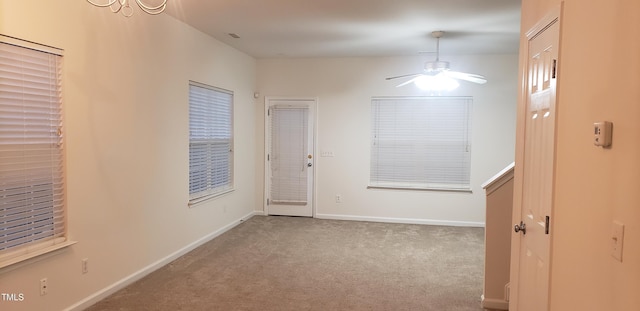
617 236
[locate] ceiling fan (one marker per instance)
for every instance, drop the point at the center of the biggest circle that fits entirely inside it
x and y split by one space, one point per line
437 74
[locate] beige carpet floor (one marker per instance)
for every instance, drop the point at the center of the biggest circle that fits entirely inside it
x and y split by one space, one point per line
291 263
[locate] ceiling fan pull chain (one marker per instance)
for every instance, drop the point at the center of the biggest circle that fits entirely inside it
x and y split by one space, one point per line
437 49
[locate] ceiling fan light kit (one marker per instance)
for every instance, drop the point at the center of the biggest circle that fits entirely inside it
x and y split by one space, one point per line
437 75
436 66
437 83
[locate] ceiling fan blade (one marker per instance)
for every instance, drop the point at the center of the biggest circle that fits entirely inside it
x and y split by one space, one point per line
409 81
466 76
403 76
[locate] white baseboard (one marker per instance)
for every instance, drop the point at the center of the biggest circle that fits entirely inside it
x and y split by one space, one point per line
494 304
105 292
403 220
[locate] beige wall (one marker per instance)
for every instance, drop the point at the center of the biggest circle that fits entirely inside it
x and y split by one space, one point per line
598 79
125 92
344 87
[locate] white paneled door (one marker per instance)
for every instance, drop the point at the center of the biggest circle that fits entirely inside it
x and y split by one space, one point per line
536 200
290 157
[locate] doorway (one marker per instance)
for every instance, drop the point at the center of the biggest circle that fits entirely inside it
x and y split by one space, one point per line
533 206
290 158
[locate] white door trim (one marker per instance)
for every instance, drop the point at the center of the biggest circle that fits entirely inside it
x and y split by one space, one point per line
266 186
553 16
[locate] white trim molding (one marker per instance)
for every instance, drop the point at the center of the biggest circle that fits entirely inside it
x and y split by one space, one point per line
494 304
105 292
415 221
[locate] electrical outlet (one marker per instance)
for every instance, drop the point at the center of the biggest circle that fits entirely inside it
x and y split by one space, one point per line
85 265
43 287
338 198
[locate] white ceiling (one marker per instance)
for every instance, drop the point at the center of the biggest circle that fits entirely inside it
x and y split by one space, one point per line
355 28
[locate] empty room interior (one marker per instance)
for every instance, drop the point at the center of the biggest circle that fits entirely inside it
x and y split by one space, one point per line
314 106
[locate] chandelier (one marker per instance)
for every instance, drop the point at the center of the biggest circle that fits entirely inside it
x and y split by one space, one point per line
125 7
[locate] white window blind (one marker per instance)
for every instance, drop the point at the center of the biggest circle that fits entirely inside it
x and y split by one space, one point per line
289 149
421 143
210 141
32 187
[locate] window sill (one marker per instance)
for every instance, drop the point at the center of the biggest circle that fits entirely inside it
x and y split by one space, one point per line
202 199
31 254
463 190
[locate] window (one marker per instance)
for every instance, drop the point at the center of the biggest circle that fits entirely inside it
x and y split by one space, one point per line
421 143
32 187
210 142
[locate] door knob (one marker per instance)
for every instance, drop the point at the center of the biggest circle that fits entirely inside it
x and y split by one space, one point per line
520 227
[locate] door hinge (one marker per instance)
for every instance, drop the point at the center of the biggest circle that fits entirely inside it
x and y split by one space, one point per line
268 157
268 112
267 201
553 70
546 225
